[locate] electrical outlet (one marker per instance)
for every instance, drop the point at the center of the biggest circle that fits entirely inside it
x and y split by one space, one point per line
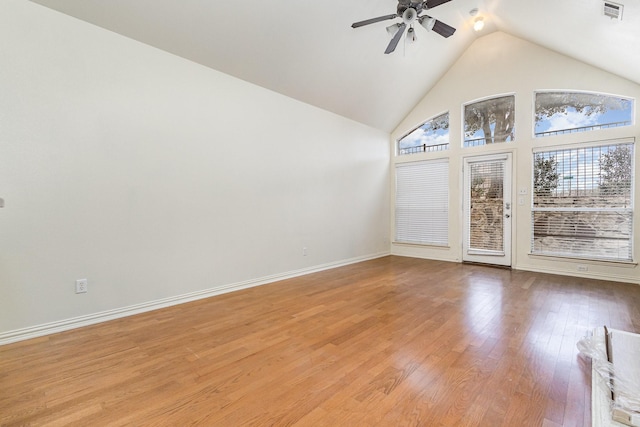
304 251
81 286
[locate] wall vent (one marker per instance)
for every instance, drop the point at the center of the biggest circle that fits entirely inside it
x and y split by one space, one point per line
613 10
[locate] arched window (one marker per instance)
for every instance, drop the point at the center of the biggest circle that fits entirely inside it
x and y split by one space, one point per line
559 112
490 121
433 135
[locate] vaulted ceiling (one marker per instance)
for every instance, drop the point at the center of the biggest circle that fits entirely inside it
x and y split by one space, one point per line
307 50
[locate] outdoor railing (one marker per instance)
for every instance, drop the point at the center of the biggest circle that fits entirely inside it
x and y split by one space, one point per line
424 148
583 129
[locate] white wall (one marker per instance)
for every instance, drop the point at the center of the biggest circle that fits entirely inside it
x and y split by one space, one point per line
498 64
156 178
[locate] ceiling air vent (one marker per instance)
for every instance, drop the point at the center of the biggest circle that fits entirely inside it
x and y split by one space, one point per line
613 10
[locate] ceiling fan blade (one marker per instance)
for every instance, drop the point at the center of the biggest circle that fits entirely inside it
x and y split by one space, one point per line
430 4
443 29
394 41
373 20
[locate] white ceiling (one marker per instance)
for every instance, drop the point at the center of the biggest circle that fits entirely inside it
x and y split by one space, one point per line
307 50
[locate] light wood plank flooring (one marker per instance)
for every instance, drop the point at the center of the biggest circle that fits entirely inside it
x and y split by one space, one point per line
389 342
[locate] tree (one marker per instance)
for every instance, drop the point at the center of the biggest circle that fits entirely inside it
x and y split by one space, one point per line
497 114
615 170
551 103
545 175
440 122
477 188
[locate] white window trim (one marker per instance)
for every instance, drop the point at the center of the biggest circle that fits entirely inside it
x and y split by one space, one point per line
464 105
595 260
533 108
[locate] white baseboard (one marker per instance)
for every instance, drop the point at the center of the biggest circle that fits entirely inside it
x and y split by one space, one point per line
590 275
90 319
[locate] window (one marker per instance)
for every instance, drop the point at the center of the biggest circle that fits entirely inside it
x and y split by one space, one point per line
433 135
568 112
582 202
422 202
489 121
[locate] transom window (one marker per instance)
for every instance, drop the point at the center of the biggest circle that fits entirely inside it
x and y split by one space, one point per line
433 135
582 202
568 112
490 121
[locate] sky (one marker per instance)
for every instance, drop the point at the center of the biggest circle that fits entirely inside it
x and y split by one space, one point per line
421 136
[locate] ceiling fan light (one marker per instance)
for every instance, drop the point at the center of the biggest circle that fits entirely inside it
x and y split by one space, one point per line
428 23
478 24
411 35
409 15
392 29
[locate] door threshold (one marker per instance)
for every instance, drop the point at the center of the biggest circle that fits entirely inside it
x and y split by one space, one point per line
486 264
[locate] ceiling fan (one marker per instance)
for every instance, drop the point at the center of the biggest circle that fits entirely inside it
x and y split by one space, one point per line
410 12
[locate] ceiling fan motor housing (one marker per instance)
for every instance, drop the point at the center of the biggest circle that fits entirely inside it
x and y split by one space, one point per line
403 5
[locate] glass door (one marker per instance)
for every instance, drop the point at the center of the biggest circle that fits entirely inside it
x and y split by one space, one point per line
487 209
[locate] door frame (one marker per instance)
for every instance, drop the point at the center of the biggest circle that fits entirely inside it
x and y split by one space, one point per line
504 258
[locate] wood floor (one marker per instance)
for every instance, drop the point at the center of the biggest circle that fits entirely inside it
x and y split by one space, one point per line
389 342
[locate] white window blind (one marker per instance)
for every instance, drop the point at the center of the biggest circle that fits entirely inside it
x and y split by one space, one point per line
486 200
582 202
422 202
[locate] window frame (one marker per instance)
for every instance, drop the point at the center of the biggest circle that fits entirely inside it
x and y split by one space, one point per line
537 137
582 209
446 147
486 98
